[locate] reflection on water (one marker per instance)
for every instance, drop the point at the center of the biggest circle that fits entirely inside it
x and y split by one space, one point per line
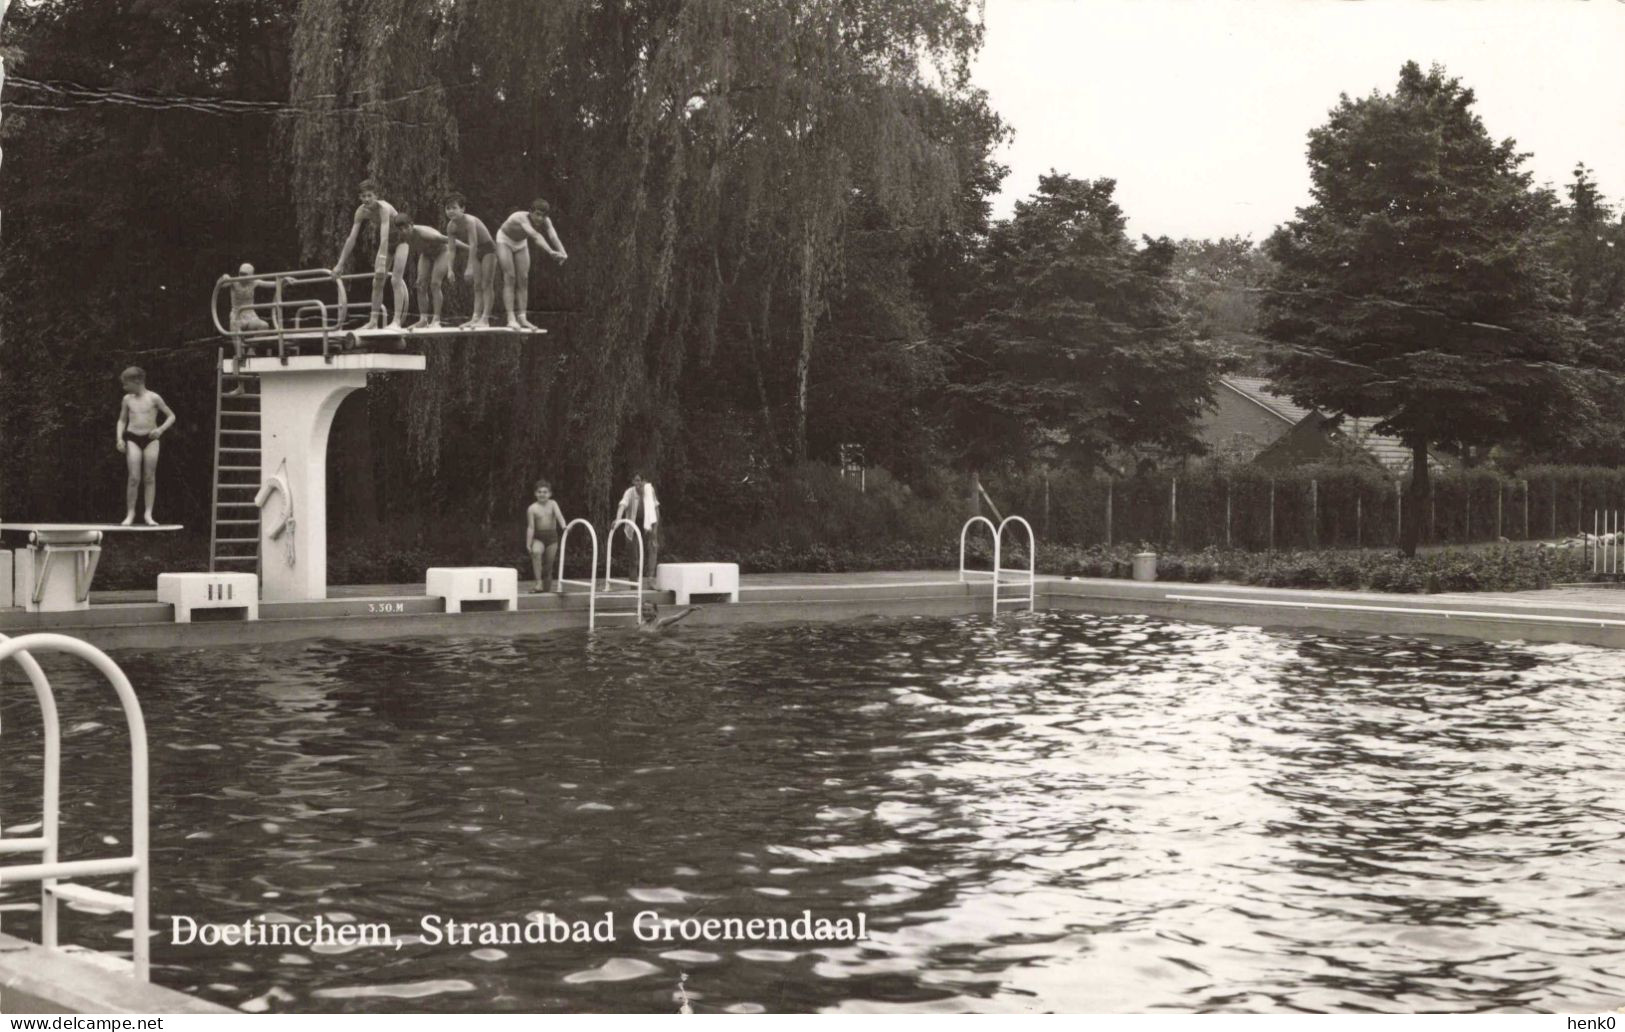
1068 813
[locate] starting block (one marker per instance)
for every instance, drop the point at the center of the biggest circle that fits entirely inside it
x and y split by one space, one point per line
685 580
226 592
474 587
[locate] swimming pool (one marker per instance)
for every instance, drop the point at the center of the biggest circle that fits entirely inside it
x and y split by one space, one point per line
1066 813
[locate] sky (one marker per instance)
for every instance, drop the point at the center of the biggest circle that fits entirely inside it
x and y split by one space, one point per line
1200 109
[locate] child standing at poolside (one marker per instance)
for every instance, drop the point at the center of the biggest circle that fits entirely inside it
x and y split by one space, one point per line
138 432
543 521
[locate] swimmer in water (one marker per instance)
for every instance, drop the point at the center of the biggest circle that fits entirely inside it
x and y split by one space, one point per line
654 623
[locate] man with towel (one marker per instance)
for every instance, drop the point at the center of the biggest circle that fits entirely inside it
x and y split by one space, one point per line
640 505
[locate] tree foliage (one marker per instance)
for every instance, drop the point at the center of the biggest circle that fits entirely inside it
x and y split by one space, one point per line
1220 283
718 169
1416 287
139 166
1080 351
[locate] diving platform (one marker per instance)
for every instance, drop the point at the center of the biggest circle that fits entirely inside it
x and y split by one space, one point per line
45 585
292 360
310 311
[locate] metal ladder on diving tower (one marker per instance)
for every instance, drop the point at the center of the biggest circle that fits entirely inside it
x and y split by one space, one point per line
1012 586
51 870
234 529
631 590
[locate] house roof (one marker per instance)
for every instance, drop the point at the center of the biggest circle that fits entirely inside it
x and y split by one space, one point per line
1257 390
1389 451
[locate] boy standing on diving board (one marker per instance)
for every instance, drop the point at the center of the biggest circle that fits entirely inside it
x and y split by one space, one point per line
470 234
380 213
513 252
138 432
433 252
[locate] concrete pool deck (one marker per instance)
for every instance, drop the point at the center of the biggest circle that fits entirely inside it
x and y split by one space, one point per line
1586 614
40 981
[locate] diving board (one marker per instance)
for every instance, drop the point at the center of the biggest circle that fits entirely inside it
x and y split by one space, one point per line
52 574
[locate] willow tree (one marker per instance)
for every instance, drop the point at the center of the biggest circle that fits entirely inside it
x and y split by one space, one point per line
369 102
705 159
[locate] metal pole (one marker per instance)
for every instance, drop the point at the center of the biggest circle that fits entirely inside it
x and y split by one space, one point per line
1227 486
1108 513
1500 498
1272 514
1399 509
1358 542
1173 512
1314 513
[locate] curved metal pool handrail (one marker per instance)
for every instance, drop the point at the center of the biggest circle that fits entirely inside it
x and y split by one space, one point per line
51 866
964 531
591 582
291 278
609 557
1032 563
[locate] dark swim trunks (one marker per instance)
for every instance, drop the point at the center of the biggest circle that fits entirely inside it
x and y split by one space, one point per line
139 440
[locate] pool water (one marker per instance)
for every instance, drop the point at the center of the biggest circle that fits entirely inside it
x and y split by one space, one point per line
1066 813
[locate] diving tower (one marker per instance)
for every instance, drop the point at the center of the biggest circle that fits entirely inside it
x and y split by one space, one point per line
279 385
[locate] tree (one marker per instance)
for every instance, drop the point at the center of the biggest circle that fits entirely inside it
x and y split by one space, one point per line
139 166
1588 247
1219 284
1079 350
1415 287
714 167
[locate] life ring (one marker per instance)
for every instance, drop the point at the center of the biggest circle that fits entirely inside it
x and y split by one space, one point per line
277 483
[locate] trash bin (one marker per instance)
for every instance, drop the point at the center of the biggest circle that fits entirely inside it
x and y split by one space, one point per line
1145 566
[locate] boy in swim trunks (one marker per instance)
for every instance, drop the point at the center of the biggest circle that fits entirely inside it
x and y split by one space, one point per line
433 251
243 315
244 319
543 521
138 432
513 252
380 213
469 233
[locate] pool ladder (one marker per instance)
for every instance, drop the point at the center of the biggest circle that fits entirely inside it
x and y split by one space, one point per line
51 869
1023 582
631 589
